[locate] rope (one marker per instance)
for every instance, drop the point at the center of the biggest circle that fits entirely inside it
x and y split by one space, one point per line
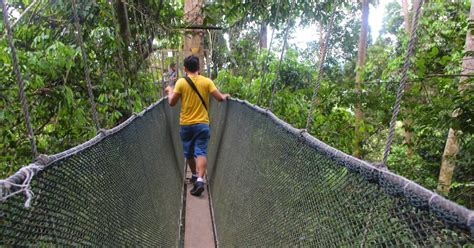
78 32
401 87
324 48
151 54
162 66
264 66
21 83
27 172
140 52
285 43
148 49
121 64
153 69
209 53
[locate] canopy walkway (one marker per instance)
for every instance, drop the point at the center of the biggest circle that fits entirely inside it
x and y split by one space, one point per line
271 185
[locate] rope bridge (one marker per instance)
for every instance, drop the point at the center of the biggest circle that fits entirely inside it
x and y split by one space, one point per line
271 184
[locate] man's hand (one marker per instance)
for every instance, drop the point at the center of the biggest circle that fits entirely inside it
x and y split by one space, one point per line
168 89
219 96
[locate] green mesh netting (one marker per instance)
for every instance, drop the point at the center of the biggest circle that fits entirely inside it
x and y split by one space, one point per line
274 186
271 186
124 190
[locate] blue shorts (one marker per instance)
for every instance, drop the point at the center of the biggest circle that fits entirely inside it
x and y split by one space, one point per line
195 138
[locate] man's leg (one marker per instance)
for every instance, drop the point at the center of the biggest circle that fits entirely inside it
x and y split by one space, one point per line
201 165
200 153
188 148
192 166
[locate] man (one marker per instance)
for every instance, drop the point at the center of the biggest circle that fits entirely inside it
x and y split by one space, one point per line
172 73
194 118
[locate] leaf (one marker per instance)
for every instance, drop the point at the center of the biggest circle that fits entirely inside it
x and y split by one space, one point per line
434 51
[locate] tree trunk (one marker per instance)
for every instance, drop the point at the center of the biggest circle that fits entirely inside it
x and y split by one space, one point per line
193 38
406 14
263 35
359 122
451 149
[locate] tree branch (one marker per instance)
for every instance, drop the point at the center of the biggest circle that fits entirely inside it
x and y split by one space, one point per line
24 12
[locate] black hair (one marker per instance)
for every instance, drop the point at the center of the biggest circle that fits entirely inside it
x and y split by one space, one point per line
191 63
172 64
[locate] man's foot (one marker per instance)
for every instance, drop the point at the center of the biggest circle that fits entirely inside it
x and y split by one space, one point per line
193 179
197 189
194 187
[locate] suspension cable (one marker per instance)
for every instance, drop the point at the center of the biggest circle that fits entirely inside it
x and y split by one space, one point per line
162 66
125 78
19 78
285 43
150 52
324 48
401 87
264 66
210 36
147 49
140 57
153 68
78 32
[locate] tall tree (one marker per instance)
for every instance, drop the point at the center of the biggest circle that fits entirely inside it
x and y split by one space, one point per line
451 149
406 15
361 54
193 38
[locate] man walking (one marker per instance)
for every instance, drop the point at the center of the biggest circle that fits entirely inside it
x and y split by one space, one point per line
194 91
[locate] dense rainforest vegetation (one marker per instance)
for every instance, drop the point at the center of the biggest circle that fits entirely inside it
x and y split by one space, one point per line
251 55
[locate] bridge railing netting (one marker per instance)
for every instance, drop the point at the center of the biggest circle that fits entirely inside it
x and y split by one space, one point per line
123 188
274 185
271 185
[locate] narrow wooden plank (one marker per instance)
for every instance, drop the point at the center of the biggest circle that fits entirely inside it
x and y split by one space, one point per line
198 222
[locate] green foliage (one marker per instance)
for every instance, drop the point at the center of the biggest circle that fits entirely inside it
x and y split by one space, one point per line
54 77
429 100
58 101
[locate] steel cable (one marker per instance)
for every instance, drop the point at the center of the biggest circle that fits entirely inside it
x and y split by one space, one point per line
401 87
21 83
78 32
324 49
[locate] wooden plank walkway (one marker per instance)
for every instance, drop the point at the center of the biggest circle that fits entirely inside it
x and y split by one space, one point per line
198 228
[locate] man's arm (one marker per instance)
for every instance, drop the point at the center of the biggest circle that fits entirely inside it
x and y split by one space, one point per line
172 97
219 96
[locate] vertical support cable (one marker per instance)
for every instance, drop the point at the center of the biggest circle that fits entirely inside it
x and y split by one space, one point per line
401 86
147 49
162 65
21 83
285 43
125 78
78 32
140 57
324 48
151 61
265 66
209 53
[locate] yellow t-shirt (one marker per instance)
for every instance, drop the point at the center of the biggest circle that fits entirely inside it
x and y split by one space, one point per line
192 110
